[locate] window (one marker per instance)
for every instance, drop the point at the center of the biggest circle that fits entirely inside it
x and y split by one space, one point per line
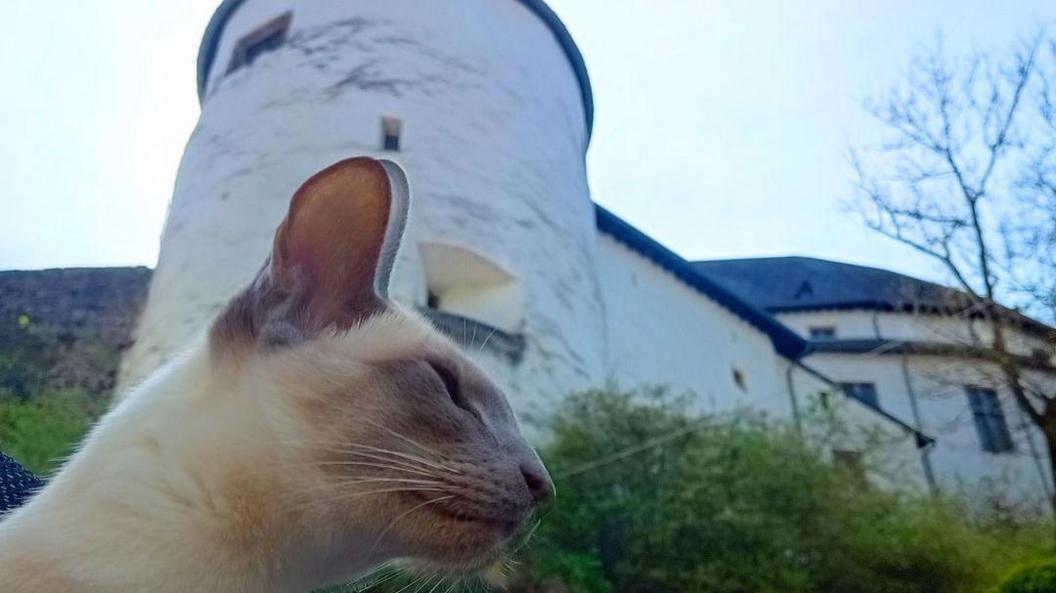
1041 356
739 380
851 462
804 290
390 134
472 299
268 37
826 332
863 392
989 420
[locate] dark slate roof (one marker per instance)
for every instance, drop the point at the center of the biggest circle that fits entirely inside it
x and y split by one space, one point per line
785 341
806 283
785 284
215 29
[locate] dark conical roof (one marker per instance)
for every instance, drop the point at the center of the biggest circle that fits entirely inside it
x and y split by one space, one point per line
784 284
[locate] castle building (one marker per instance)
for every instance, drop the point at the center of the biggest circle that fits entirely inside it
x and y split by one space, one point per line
911 348
488 106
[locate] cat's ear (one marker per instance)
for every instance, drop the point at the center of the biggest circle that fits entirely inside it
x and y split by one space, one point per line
337 245
400 203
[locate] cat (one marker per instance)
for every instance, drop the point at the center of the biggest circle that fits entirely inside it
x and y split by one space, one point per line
316 431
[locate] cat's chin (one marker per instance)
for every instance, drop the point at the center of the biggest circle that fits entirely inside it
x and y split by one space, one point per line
468 543
459 544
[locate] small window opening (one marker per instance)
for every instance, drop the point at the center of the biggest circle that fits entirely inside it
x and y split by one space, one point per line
391 128
863 392
473 300
826 332
739 380
465 283
990 421
851 462
265 38
1041 356
804 290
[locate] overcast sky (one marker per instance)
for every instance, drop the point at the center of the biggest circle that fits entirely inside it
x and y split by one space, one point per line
721 127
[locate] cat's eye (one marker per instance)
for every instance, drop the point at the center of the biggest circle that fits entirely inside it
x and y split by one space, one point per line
450 381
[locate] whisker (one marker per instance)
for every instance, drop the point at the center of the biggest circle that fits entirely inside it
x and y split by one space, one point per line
404 514
425 582
410 462
487 339
376 457
400 435
433 464
342 448
416 580
438 583
345 496
375 466
367 480
396 571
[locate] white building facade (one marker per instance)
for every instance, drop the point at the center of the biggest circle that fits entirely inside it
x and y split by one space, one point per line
895 342
488 107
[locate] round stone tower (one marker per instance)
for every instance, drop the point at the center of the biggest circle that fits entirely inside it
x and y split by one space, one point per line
486 104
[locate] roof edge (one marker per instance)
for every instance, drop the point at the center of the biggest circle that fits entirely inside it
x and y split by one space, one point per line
785 341
923 440
958 306
213 31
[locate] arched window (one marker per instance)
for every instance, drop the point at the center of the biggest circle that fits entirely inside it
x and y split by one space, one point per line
472 298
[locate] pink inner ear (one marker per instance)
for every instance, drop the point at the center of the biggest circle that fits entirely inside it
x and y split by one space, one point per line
330 244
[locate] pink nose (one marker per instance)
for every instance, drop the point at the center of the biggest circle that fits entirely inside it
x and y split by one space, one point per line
538 481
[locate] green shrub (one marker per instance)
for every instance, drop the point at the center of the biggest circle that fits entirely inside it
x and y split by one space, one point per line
734 504
1038 577
40 431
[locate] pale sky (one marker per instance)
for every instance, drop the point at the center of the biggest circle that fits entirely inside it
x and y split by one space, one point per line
721 126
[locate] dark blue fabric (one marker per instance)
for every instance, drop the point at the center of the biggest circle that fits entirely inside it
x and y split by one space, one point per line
16 484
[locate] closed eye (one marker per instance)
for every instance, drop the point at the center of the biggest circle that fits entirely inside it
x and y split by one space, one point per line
451 384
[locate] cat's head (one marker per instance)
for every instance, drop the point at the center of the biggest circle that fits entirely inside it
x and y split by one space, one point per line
391 441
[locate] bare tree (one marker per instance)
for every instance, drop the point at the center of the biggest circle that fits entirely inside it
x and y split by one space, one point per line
967 176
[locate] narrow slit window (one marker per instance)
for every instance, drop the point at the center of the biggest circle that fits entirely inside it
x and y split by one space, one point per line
391 128
739 379
266 38
851 462
990 422
863 392
823 332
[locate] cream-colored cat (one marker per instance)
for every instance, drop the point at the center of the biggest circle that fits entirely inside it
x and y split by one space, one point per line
315 432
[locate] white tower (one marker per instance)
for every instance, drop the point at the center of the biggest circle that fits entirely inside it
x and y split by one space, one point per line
487 105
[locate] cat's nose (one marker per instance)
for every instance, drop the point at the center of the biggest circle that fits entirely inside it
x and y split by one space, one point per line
540 486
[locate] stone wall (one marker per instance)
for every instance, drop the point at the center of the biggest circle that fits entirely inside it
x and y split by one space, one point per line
67 327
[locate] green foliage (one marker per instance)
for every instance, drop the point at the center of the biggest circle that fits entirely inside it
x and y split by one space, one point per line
1038 577
41 430
25 361
735 504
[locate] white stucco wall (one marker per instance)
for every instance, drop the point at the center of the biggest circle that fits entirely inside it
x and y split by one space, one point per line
867 324
960 464
493 141
662 331
890 449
